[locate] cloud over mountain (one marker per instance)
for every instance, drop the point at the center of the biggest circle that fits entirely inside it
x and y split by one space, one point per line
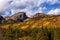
9 7
54 12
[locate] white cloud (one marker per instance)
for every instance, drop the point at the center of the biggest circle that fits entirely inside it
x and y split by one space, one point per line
23 5
4 4
53 1
54 12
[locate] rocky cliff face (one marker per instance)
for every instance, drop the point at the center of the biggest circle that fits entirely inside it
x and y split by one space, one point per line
1 19
20 16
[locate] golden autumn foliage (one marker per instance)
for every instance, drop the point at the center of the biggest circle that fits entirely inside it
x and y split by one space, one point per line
36 23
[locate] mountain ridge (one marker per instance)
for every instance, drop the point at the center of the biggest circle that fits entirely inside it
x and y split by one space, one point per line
21 16
37 21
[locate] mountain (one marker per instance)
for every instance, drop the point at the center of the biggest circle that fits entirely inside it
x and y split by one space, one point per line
36 21
40 26
17 17
7 18
41 15
1 19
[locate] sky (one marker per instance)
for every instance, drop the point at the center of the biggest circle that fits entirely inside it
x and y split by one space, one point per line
31 7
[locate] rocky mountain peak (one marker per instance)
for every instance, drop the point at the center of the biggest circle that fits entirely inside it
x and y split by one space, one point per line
20 16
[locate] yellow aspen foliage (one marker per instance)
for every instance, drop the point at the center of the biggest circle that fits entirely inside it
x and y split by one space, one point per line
46 23
24 27
5 26
35 25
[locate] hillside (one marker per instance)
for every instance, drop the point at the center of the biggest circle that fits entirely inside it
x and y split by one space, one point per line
37 27
37 21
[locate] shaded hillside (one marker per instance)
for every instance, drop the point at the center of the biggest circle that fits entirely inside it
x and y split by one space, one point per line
37 21
1 19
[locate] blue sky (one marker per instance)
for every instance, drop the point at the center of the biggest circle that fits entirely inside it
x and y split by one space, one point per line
31 7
